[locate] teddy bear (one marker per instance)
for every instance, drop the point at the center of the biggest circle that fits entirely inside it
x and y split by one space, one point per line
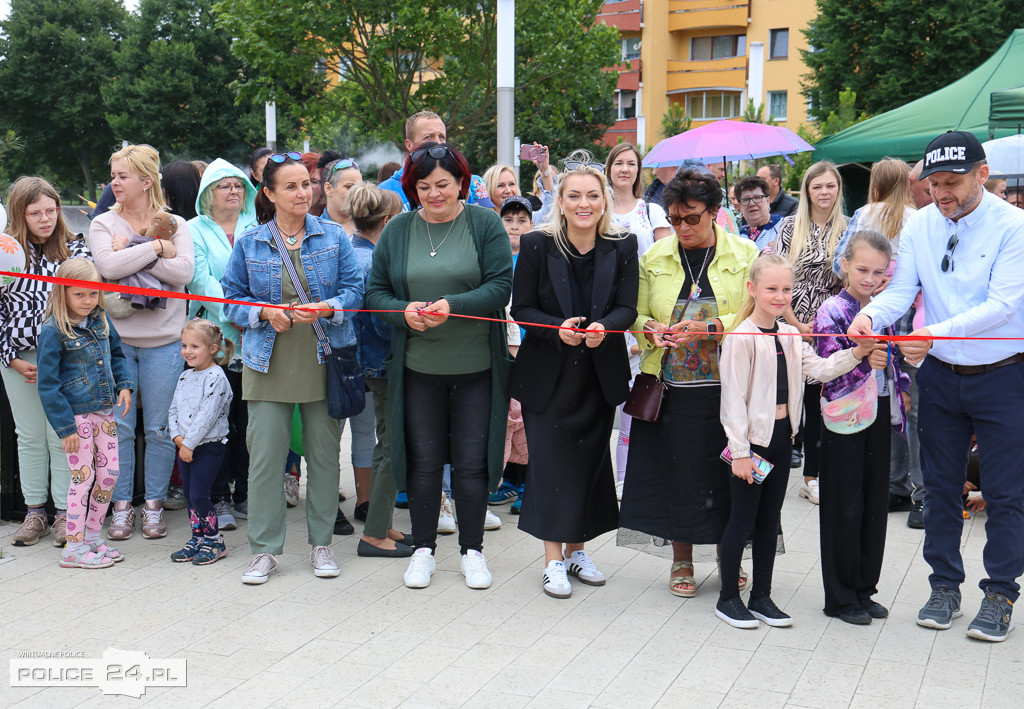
80 475
162 226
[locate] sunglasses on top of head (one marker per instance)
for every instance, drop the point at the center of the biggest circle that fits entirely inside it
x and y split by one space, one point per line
437 152
281 157
575 164
691 219
342 165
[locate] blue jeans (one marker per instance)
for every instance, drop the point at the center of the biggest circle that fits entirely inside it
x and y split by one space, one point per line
156 369
364 434
953 406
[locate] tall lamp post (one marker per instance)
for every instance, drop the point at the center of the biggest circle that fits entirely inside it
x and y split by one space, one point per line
506 21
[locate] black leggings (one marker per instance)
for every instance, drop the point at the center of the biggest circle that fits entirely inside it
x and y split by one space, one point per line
754 515
447 421
197 479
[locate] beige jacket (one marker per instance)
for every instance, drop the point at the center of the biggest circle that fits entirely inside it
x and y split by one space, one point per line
749 378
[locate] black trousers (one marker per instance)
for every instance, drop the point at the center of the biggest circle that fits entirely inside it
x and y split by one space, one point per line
809 435
235 467
854 489
754 515
447 420
197 480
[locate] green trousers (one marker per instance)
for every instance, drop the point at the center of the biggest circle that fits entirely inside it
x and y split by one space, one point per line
382 483
267 437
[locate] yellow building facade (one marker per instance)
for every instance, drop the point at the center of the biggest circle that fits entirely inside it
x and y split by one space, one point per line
709 56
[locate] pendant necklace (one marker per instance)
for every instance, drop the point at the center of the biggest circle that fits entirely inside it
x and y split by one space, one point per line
695 287
292 239
433 249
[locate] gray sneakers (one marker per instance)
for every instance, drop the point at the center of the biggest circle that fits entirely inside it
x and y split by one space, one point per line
941 609
995 619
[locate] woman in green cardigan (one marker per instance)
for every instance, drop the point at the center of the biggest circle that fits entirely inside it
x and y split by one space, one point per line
447 376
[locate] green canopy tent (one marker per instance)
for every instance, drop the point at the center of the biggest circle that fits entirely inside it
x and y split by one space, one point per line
906 131
1006 109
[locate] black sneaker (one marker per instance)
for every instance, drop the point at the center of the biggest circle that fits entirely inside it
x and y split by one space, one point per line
915 520
341 524
361 511
900 503
874 608
995 619
855 616
941 609
764 609
735 613
796 459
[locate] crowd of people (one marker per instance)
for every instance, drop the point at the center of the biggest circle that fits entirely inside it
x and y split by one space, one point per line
494 337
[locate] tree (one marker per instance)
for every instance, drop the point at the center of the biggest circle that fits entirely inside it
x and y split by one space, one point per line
675 121
390 60
171 85
756 115
56 56
890 52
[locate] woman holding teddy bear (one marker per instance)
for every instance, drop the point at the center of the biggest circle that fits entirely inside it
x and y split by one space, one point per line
150 332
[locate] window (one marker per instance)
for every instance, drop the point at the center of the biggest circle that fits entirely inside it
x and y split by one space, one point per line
712 105
627 104
721 47
630 48
779 44
777 104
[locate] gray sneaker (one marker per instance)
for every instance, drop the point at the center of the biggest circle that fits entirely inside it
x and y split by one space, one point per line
995 619
941 609
225 520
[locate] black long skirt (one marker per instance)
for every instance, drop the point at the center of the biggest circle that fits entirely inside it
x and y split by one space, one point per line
570 487
677 488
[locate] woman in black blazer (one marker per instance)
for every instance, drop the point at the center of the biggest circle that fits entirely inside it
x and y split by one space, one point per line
580 274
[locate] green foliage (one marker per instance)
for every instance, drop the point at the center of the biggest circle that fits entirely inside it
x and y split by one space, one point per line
394 59
169 86
890 52
844 116
675 121
756 115
56 56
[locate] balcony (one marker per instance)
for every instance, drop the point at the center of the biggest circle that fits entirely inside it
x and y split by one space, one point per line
718 73
629 75
623 14
707 14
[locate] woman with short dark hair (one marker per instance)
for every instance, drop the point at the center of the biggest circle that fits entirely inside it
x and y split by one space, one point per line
691 289
447 376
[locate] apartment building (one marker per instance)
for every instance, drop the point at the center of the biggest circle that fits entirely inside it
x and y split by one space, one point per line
710 57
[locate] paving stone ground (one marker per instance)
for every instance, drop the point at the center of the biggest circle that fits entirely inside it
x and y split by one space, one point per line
364 640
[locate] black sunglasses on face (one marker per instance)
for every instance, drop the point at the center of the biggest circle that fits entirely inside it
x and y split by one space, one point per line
281 157
691 219
947 260
437 152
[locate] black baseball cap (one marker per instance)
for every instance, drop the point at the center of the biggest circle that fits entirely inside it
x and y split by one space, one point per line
516 202
954 151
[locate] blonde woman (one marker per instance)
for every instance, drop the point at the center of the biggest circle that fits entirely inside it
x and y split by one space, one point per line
38 225
150 337
501 183
578 271
809 240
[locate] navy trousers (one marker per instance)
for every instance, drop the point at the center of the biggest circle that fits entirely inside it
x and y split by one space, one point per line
953 407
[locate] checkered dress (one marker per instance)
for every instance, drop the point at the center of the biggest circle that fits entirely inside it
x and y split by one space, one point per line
23 302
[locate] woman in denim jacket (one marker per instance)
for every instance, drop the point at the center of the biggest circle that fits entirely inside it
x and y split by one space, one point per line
283 361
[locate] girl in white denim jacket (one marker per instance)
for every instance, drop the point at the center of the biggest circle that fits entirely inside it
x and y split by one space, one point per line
762 399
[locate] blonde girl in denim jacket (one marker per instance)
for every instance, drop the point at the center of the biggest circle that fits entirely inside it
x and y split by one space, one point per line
82 376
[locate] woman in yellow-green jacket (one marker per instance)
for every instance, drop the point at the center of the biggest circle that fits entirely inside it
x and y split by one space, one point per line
691 288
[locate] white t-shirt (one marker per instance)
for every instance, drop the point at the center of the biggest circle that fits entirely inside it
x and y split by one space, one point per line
638 222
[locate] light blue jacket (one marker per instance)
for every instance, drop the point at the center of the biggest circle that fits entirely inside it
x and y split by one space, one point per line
254 274
213 248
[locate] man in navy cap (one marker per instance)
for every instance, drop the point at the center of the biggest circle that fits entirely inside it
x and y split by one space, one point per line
965 252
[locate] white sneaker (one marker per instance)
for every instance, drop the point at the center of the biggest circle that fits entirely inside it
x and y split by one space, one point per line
446 519
324 565
580 566
474 568
291 490
556 580
491 522
810 490
421 568
260 568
